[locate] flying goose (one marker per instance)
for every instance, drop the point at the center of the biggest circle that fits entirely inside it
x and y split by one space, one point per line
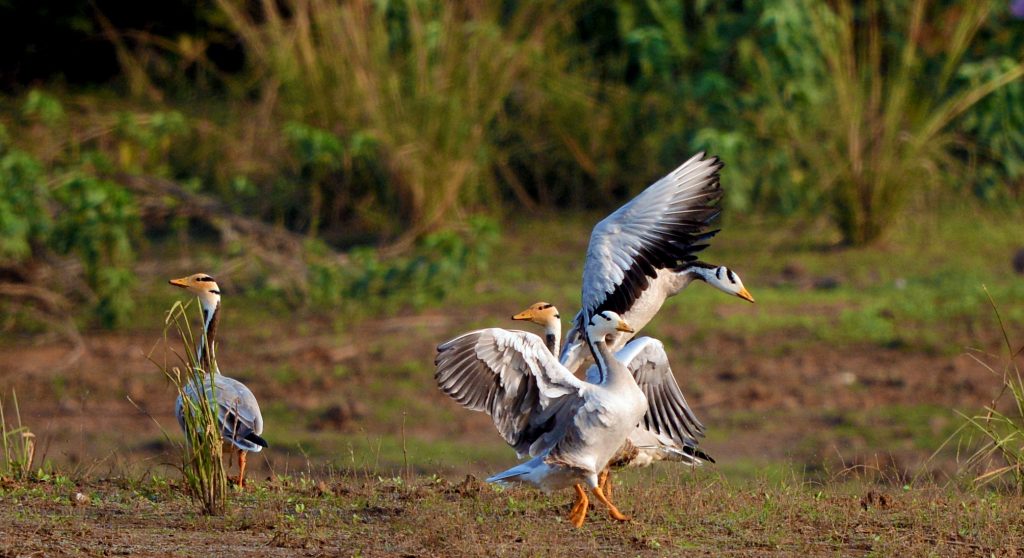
237 410
669 429
571 429
646 250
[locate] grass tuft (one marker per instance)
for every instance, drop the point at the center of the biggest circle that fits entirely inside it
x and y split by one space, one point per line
202 464
1000 426
18 444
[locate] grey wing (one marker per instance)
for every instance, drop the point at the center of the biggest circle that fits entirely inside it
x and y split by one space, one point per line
238 412
661 228
514 378
240 417
667 414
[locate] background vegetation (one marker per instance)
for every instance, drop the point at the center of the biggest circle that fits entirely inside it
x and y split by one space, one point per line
299 130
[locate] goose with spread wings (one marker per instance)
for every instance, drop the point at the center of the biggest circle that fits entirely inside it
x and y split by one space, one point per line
669 430
569 428
646 251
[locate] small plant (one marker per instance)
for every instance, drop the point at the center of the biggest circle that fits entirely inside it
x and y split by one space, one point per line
201 465
18 444
1001 424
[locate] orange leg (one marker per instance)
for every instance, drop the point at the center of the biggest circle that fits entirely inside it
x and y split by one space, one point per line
579 511
612 510
241 468
604 480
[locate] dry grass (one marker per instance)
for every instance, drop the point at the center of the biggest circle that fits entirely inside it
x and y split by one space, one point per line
700 513
418 85
17 443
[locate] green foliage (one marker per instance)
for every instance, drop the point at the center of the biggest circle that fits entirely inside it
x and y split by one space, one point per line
868 113
24 218
439 264
70 207
999 121
97 223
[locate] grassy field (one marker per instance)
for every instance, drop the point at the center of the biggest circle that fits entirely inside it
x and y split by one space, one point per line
826 403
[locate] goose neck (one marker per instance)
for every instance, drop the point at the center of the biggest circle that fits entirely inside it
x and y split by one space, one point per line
608 373
553 336
205 350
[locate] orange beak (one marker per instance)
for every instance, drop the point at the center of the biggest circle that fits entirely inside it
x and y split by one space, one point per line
745 295
183 282
524 315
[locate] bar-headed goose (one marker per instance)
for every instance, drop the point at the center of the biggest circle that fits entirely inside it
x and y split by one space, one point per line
646 250
669 429
570 428
241 422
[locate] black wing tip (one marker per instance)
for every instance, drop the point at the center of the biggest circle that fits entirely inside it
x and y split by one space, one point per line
694 452
256 439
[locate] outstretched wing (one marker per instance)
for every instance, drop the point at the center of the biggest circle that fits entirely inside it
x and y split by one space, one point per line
661 228
511 376
667 414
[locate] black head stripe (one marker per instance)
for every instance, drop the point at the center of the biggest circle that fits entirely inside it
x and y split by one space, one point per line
215 291
205 279
546 306
732 276
718 273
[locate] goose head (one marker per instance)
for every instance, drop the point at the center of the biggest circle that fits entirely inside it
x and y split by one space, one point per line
202 286
606 323
727 281
540 313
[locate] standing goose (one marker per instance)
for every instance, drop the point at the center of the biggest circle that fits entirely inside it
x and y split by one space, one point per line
238 413
570 428
646 250
669 429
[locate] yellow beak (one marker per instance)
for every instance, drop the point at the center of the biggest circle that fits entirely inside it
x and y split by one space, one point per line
183 282
745 295
524 315
623 326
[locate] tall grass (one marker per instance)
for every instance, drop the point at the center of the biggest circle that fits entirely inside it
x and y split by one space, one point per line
18 444
866 112
421 82
1001 424
202 465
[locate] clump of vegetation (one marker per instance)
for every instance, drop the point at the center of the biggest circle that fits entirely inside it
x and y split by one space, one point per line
868 99
202 463
18 444
1001 424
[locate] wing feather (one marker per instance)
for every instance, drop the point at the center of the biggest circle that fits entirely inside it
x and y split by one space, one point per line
660 228
668 413
238 412
511 376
